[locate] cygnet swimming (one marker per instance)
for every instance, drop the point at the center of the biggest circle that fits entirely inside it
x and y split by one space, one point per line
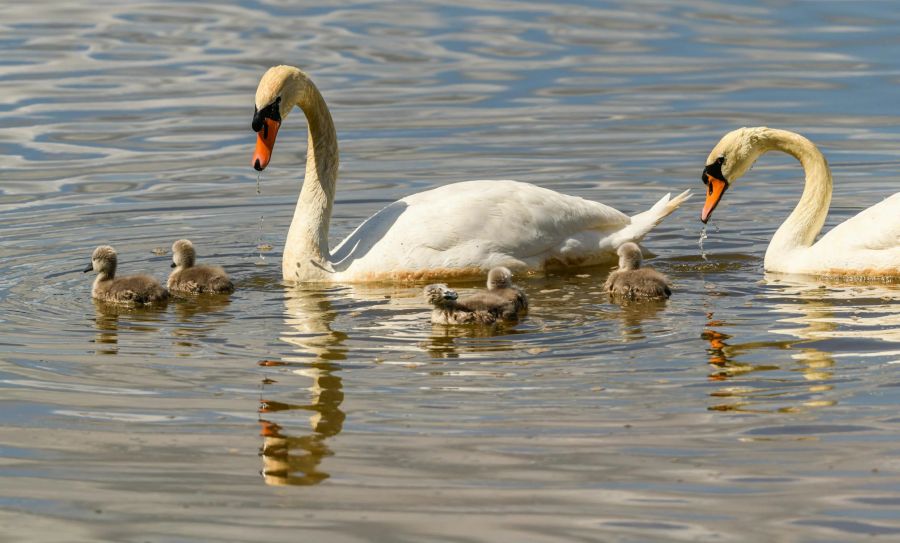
482 308
631 282
193 279
499 283
131 289
502 301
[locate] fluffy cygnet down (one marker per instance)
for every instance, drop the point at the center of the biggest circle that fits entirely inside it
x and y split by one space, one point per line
501 302
193 279
631 282
499 283
131 289
448 309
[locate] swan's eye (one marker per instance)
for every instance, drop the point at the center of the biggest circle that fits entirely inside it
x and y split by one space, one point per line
714 170
271 111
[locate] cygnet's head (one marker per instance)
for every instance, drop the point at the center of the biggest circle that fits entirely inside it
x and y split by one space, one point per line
439 292
629 256
499 277
103 260
183 254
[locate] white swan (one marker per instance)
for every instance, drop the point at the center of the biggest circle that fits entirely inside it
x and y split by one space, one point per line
866 246
458 230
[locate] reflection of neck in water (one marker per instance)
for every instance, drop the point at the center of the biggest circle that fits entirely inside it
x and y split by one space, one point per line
819 317
294 459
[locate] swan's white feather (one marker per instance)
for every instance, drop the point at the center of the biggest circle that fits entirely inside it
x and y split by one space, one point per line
469 227
458 230
868 241
866 246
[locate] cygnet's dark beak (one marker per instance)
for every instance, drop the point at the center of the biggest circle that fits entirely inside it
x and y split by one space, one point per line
450 295
173 265
89 268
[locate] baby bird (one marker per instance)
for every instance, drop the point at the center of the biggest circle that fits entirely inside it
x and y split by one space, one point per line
131 289
499 283
631 282
195 279
502 301
485 309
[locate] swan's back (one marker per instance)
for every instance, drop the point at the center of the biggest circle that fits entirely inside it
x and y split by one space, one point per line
874 231
486 222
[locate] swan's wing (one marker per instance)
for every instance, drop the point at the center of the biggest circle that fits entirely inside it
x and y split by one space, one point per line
510 215
462 222
874 229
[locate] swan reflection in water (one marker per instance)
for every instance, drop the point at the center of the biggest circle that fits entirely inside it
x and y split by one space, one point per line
292 456
810 311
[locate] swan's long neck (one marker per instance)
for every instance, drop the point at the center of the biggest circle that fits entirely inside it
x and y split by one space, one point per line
800 229
307 240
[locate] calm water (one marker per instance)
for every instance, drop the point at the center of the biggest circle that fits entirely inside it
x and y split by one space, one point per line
746 408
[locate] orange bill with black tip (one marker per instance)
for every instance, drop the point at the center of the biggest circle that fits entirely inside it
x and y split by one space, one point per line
265 142
715 188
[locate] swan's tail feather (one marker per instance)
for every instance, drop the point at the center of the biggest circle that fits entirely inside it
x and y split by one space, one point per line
647 220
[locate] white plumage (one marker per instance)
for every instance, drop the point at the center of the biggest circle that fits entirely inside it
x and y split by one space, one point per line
458 230
866 246
467 228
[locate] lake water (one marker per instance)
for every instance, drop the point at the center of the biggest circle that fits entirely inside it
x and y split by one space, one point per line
746 408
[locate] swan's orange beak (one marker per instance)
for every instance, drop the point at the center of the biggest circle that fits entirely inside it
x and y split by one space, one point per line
715 188
265 141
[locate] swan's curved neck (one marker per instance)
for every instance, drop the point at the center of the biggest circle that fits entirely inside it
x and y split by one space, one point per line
800 229
307 240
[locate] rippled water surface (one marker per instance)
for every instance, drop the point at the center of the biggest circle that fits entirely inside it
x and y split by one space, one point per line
748 407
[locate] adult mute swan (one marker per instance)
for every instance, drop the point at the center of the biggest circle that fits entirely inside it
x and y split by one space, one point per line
458 230
866 246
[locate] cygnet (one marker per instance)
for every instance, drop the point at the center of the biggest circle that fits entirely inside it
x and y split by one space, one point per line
193 279
131 289
631 282
499 283
481 308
